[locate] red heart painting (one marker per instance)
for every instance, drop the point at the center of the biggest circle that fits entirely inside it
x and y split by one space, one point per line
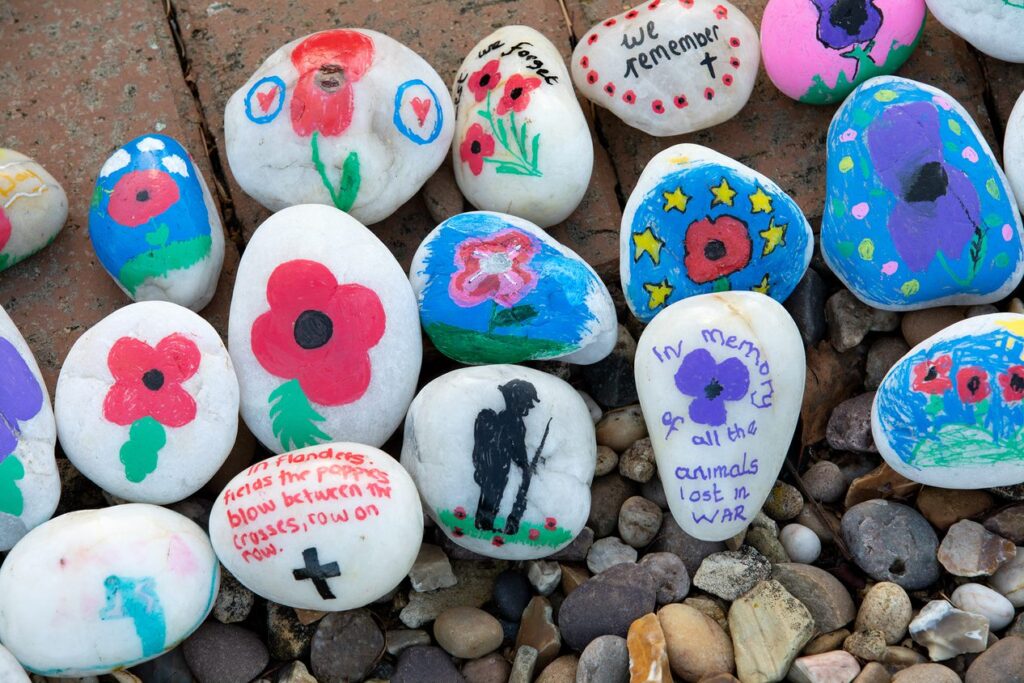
421 108
267 98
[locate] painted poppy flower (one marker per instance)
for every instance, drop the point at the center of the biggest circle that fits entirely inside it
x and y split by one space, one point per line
477 146
711 384
721 13
1012 382
147 381
938 207
534 534
550 523
457 532
517 94
20 396
493 267
459 512
328 63
484 80
318 332
5 229
972 384
716 248
932 376
139 196
844 23
497 541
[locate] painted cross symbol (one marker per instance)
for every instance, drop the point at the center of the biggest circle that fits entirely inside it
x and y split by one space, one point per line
709 62
318 573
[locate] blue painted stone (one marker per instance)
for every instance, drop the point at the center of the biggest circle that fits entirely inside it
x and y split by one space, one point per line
494 288
917 211
951 412
699 222
154 225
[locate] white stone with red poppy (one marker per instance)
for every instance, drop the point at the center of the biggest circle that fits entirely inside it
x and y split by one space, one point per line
33 207
332 528
522 145
346 117
1013 150
96 591
467 441
992 26
670 67
721 380
147 403
324 332
950 413
29 481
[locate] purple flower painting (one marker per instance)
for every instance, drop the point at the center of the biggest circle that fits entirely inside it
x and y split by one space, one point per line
20 396
711 384
937 207
844 23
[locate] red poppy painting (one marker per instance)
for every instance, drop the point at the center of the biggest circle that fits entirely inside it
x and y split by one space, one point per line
495 267
972 384
475 148
148 381
716 248
140 196
484 80
328 63
932 376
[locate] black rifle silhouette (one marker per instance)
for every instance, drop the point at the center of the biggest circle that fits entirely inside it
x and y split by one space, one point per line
512 523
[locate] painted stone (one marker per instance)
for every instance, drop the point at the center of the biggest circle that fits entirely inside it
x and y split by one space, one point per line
992 26
1013 150
917 211
721 379
33 207
347 117
10 669
493 288
326 340
818 51
154 225
699 222
950 413
111 588
503 457
522 144
330 528
29 482
147 403
670 68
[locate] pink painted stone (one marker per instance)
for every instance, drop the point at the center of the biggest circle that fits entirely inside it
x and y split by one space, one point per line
813 60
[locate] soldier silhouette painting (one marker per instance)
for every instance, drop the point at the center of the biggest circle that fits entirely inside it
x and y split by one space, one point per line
500 442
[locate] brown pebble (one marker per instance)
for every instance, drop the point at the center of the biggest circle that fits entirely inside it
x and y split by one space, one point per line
784 502
867 645
969 549
618 429
697 645
572 577
637 462
926 673
873 672
886 607
1002 662
897 656
1008 523
826 642
537 629
945 507
562 670
607 460
881 482
648 653
919 325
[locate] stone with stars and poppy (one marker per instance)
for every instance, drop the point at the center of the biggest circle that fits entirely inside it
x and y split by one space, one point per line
147 403
346 117
522 145
949 413
700 222
669 67
720 379
330 528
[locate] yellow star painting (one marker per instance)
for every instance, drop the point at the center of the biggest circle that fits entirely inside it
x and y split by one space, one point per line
647 242
760 202
659 292
723 194
774 236
675 200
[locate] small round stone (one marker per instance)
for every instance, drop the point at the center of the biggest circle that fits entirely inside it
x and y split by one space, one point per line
606 605
1003 662
926 673
784 502
867 645
467 632
604 660
608 552
607 460
669 574
219 653
490 669
511 594
637 462
801 544
697 645
639 521
620 428
892 542
886 608
345 646
425 664
979 599
824 481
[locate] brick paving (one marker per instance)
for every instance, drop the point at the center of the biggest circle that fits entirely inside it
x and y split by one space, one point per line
81 77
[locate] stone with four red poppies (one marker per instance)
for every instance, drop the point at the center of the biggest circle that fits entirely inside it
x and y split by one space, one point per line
33 207
154 224
699 222
350 118
493 288
522 145
147 403
918 212
992 26
670 67
721 380
950 412
332 527
29 482
503 457
324 332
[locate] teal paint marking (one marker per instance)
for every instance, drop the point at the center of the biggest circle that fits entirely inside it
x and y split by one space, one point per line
137 599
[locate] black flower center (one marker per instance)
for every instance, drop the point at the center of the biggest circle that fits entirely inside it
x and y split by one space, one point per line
849 15
713 390
313 329
928 183
142 196
1017 382
714 250
474 147
330 77
931 374
974 384
485 80
153 379
515 94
